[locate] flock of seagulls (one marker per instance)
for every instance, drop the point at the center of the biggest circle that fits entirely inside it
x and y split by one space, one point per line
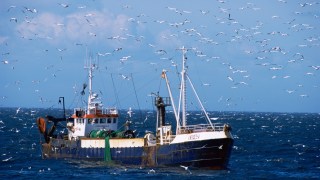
238 46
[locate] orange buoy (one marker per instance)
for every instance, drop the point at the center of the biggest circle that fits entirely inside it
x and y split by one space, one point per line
41 122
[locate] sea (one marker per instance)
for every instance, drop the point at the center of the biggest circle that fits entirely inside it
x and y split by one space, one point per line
267 146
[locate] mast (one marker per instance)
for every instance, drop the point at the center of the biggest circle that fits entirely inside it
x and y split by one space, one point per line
164 75
183 87
90 68
182 97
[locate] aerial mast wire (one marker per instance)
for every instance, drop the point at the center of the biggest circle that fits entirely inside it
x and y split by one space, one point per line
115 92
202 107
135 92
164 75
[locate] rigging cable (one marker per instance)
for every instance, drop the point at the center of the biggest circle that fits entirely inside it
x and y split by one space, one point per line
115 92
135 92
159 87
200 103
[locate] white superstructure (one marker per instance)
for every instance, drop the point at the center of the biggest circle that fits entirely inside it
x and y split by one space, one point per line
94 117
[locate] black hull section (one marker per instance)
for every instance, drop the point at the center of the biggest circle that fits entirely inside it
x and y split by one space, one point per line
212 154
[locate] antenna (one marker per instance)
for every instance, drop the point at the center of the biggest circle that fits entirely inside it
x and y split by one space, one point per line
64 109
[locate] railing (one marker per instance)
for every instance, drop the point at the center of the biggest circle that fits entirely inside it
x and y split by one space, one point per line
82 111
79 112
111 111
167 139
201 128
165 100
216 127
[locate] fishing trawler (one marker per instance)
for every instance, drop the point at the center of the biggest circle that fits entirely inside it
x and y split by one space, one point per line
93 134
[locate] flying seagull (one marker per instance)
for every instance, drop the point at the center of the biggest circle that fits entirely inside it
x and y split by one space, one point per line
186 168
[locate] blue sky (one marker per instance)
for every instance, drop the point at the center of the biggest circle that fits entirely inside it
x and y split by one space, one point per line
244 56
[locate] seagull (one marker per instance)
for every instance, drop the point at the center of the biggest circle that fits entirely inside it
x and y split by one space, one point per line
230 78
151 171
145 119
186 168
172 8
131 19
100 54
64 5
60 24
204 12
316 67
117 49
125 77
125 58
160 21
161 51
14 19
303 95
89 15
275 68
11 7
60 50
220 147
229 18
129 112
242 82
17 111
31 10
290 91
5 62
275 49
5 160
92 34
126 6
220 33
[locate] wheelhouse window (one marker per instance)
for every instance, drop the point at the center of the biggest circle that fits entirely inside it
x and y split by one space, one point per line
96 121
103 120
109 120
80 120
90 121
114 120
